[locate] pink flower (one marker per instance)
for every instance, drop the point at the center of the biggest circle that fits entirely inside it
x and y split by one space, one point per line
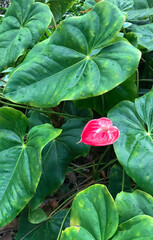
99 132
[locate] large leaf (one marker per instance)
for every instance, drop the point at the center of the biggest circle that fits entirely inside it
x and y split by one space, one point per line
47 230
59 7
134 148
94 210
20 162
24 23
132 204
73 65
139 227
57 155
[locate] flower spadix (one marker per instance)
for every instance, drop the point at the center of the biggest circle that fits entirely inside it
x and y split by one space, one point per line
99 132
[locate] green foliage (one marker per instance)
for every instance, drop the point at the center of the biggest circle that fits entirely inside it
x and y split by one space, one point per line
81 55
94 216
48 66
57 156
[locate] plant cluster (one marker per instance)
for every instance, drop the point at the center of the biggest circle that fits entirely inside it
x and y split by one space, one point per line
59 69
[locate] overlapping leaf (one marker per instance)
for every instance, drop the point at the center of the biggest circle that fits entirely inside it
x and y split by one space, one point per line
78 62
57 155
145 35
132 204
139 227
94 213
23 25
20 161
134 148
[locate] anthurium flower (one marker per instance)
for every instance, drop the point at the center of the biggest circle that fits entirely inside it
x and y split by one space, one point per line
100 132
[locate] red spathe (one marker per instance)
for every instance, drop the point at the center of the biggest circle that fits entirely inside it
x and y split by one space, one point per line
100 132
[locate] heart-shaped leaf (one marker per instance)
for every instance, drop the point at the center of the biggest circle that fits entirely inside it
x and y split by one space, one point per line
57 155
133 204
139 227
79 61
134 148
20 162
24 23
94 210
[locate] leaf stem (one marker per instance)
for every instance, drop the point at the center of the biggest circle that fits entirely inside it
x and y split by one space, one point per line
65 115
137 80
59 235
123 180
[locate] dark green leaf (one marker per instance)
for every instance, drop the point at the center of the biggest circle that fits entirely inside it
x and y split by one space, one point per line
37 118
57 155
48 230
117 178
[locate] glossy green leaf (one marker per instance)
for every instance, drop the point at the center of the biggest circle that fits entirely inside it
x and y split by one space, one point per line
139 227
78 62
134 147
132 204
24 23
94 210
57 156
20 161
77 233
118 179
103 103
59 7
48 230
